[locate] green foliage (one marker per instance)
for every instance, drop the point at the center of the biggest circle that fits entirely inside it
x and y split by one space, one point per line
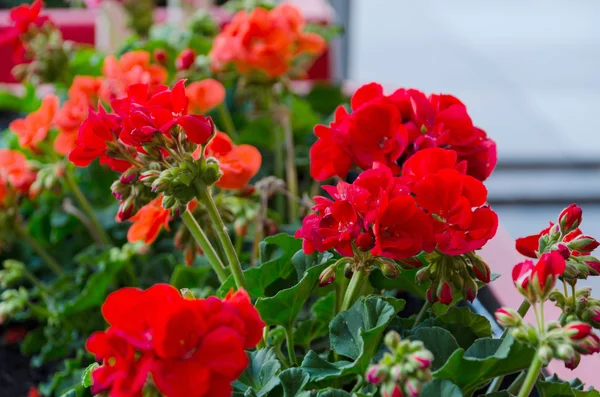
553 386
261 375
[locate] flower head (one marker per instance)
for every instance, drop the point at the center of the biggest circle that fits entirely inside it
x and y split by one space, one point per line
264 42
536 281
205 95
15 174
34 128
148 222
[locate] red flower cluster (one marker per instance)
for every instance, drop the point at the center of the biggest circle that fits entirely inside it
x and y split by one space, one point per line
390 129
137 118
265 41
190 347
536 281
432 205
23 17
15 174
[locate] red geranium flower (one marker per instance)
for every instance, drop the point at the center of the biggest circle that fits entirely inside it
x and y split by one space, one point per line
238 163
15 173
23 17
148 222
34 128
456 202
536 281
205 95
191 347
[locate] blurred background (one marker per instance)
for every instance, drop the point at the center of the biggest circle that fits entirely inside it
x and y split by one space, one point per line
527 70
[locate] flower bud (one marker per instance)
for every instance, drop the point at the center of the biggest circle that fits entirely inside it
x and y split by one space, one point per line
392 340
558 297
185 59
594 313
388 268
545 353
187 294
520 334
375 374
570 218
423 275
583 243
573 362
147 177
413 387
591 262
565 352
481 269
126 209
577 330
396 373
470 289
410 263
161 56
423 358
328 275
563 250
212 173
508 317
128 176
444 293
391 390
348 272
588 345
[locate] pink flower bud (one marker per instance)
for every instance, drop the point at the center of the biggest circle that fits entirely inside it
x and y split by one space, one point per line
185 59
507 317
573 362
482 270
595 313
413 387
577 330
374 375
128 176
126 209
423 358
327 276
570 218
588 345
563 250
591 262
392 391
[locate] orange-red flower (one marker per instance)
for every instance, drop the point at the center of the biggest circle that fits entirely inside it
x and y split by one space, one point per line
238 163
15 173
265 41
83 94
132 68
205 95
34 128
148 222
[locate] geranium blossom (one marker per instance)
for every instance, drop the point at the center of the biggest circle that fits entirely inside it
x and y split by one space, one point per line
34 128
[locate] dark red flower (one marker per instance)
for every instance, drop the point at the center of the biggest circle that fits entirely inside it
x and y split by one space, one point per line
455 202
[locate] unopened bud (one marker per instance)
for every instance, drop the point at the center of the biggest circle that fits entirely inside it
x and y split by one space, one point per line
588 345
126 209
423 358
470 289
558 297
328 275
423 275
481 269
583 243
410 263
413 387
212 173
161 56
391 390
388 268
570 218
396 373
187 294
392 340
573 362
129 176
445 294
594 313
375 374
508 317
546 354
565 352
591 262
563 250
185 59
577 330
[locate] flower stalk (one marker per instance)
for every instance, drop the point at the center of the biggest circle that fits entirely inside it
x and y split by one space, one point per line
46 257
353 290
227 121
200 237
532 375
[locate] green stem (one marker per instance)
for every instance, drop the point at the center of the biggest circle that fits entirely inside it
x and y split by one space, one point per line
574 294
422 312
35 281
359 384
46 257
523 309
239 243
281 358
209 251
289 337
340 289
205 197
353 289
95 228
225 116
566 291
532 374
290 163
279 169
514 387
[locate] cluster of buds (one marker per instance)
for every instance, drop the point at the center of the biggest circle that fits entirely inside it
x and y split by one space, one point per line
566 238
566 342
581 307
452 274
131 193
403 369
361 261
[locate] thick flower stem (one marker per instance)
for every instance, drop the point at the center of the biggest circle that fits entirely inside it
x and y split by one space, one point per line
523 309
532 375
95 228
290 163
205 197
200 237
46 257
353 289
227 121
422 312
289 337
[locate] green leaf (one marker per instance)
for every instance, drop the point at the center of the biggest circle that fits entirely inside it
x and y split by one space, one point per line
503 393
258 132
69 393
87 62
318 325
355 334
283 308
484 360
439 342
463 324
86 378
303 262
554 386
261 375
325 98
333 393
189 277
441 388
275 254
304 118
293 381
